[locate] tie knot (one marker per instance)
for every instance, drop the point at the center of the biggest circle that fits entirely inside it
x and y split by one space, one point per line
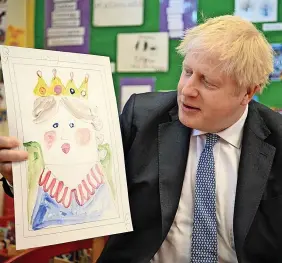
211 140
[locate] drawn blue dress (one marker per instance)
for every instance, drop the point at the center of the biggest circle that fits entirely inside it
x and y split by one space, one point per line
57 205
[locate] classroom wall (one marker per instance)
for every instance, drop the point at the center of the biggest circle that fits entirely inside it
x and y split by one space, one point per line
103 42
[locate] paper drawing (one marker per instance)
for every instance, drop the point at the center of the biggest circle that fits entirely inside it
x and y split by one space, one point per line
146 52
74 178
68 126
257 10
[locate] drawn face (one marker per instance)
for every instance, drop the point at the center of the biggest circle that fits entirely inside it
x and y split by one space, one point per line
68 140
82 136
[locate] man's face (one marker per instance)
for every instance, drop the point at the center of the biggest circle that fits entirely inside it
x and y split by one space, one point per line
208 100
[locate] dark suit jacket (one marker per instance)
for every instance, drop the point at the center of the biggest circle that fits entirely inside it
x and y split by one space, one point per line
156 149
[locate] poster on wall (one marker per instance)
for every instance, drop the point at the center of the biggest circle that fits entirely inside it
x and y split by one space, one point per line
67 25
257 10
130 86
19 20
277 73
3 20
113 13
177 15
65 113
142 52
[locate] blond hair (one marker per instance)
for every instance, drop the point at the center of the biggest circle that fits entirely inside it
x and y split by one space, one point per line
243 52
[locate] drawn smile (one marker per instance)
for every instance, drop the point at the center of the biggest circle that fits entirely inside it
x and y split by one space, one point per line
65 148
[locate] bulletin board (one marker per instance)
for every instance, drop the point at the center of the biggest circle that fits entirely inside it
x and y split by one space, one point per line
103 42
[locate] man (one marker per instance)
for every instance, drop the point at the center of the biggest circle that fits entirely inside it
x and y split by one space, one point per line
203 170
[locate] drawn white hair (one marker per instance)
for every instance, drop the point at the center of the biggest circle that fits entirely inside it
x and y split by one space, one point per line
45 108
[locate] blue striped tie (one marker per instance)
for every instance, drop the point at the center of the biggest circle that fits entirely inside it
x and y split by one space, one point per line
204 235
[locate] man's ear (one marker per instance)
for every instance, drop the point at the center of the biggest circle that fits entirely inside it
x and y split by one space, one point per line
251 91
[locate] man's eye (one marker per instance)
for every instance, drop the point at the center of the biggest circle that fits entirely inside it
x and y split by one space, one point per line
208 84
188 73
56 125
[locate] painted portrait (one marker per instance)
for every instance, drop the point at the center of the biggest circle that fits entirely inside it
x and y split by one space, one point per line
69 167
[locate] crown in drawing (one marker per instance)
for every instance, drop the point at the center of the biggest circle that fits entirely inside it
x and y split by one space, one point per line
57 88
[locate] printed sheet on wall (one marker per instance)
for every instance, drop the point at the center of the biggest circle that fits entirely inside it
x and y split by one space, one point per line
62 107
257 10
108 13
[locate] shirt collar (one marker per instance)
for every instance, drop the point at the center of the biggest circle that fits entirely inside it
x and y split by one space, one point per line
234 134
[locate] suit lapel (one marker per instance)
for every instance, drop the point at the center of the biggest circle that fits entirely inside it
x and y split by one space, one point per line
255 164
173 143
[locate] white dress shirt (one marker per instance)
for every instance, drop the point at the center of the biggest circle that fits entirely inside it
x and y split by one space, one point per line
176 247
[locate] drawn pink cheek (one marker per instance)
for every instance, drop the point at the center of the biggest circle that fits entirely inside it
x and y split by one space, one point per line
49 138
83 136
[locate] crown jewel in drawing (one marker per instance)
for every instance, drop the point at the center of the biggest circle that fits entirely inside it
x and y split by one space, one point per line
57 88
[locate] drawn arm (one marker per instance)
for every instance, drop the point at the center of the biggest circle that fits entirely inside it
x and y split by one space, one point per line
35 167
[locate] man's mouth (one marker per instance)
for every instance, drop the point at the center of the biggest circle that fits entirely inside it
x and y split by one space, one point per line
190 107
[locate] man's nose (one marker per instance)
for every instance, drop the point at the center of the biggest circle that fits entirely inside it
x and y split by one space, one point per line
190 87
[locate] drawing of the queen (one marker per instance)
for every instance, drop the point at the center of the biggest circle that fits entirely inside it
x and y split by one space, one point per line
69 166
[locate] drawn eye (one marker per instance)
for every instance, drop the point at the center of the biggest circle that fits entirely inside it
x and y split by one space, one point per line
56 125
71 124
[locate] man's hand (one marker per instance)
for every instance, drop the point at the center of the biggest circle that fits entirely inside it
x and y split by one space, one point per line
9 155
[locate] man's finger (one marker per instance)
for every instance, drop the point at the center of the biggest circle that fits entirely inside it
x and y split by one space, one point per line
5 168
13 156
8 142
6 171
